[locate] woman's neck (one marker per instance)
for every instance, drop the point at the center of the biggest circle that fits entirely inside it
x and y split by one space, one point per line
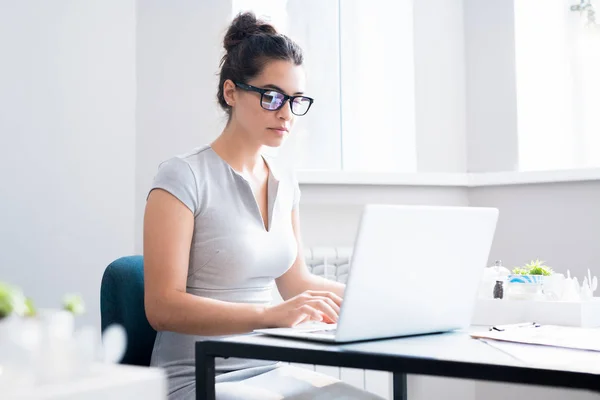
242 155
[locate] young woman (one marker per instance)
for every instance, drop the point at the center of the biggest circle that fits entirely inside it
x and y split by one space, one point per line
221 227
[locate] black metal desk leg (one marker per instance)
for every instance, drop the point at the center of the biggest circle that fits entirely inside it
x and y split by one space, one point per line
400 392
205 375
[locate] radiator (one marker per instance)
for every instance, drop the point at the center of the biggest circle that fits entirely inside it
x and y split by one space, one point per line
334 263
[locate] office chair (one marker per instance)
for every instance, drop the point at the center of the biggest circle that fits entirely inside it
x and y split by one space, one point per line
122 302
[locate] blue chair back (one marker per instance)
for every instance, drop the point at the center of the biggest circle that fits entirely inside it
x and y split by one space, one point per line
122 302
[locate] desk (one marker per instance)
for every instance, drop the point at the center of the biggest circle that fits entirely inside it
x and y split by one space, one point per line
452 354
104 381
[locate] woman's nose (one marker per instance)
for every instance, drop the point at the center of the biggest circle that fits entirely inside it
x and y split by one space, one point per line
285 112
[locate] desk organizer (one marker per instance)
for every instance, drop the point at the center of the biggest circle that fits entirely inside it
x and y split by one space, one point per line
584 314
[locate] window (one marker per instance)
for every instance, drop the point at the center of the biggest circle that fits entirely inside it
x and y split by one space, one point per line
360 61
360 70
558 86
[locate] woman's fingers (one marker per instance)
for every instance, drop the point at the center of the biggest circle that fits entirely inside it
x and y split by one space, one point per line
334 297
314 305
323 307
300 319
330 302
311 312
325 302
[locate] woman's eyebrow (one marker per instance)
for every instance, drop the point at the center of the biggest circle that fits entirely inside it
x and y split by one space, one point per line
271 86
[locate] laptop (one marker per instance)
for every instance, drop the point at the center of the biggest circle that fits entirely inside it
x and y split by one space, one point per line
414 270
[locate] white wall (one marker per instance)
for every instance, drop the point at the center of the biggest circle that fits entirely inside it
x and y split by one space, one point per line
67 121
558 222
178 51
440 91
330 214
490 84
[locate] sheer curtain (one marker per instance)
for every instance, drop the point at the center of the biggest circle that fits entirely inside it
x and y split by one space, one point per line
558 86
360 69
315 142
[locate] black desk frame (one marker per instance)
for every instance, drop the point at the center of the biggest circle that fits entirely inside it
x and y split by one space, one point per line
400 366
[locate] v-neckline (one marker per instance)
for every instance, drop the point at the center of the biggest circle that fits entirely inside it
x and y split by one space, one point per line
272 190
272 184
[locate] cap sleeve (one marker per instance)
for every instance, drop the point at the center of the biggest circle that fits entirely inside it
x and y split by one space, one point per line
177 177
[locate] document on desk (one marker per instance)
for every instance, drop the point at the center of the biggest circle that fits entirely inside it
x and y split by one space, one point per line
548 335
550 357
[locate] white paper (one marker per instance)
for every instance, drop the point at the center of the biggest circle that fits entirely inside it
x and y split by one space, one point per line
550 357
548 335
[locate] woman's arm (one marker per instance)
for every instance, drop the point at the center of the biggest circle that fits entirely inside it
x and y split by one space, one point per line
168 229
298 279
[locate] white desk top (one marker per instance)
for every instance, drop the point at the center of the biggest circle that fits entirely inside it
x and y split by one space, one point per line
105 381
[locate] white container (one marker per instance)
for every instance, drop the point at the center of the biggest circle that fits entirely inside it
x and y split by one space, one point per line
584 314
19 339
57 357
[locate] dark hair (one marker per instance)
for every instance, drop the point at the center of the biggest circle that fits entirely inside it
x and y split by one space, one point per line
249 44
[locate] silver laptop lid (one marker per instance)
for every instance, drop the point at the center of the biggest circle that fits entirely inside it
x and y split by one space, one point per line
414 270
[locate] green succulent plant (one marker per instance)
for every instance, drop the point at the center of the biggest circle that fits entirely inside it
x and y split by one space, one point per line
30 310
73 303
12 301
534 267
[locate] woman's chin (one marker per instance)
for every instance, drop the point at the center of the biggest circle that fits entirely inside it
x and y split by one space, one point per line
274 142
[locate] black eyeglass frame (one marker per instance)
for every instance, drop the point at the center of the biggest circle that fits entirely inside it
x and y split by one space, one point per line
262 92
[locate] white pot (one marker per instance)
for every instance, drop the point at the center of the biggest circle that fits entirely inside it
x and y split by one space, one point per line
19 340
57 357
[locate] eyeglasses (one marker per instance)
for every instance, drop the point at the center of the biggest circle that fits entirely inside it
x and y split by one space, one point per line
273 100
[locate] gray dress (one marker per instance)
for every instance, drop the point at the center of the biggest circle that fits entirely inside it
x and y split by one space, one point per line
234 258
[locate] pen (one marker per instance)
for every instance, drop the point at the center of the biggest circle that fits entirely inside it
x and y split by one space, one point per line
502 328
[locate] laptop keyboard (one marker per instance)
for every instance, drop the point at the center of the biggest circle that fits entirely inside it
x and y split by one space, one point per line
317 327
331 331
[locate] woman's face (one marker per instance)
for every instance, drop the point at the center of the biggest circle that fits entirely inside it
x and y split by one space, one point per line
266 127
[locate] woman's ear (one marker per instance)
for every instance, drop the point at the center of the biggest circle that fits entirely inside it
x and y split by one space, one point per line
229 92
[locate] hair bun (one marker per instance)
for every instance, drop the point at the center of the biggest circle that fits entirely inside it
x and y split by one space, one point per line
244 26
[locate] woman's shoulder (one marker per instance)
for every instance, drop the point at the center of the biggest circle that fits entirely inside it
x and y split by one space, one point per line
192 157
196 167
198 161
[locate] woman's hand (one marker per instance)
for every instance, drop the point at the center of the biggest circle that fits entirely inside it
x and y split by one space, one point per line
311 305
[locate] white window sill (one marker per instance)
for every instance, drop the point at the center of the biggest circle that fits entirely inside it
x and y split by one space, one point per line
315 177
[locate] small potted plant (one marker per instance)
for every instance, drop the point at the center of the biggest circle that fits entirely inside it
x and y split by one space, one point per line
526 282
18 314
13 304
36 343
533 272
